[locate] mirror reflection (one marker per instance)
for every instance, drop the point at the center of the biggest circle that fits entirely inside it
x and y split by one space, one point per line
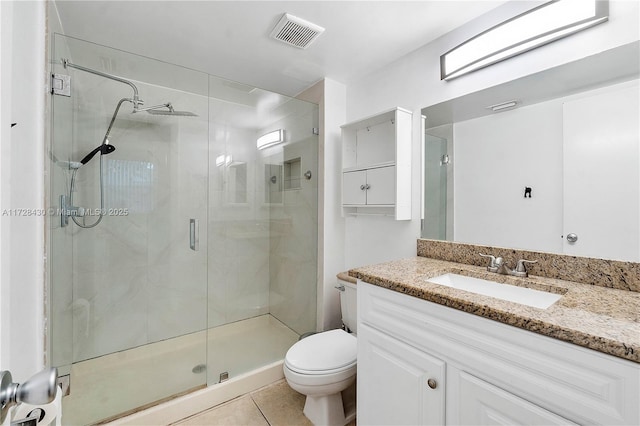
273 183
236 183
556 170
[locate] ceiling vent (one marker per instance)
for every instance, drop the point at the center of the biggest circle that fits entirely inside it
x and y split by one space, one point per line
296 32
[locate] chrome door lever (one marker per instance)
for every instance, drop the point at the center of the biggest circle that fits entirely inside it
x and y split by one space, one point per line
194 234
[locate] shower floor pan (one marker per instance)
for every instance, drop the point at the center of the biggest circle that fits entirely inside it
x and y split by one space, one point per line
118 384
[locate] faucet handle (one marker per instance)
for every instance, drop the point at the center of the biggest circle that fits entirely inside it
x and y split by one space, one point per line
521 270
492 266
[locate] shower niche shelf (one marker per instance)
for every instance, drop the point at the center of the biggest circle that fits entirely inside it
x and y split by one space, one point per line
292 174
376 165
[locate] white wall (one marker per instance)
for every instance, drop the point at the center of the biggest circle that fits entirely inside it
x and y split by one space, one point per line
413 82
6 33
22 81
334 113
496 156
330 95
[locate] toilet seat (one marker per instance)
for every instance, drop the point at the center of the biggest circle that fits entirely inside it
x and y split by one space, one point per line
324 353
319 380
321 372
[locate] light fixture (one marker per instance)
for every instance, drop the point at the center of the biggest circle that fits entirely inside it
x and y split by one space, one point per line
270 139
502 106
534 28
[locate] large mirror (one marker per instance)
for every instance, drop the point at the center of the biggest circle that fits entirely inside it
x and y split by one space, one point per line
558 171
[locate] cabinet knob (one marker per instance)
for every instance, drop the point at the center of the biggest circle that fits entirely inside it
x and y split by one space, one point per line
432 383
362 187
367 186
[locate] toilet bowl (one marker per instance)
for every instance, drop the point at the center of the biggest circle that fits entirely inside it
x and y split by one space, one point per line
323 365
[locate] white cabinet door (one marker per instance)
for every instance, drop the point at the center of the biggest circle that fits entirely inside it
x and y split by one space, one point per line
381 186
480 403
354 188
393 386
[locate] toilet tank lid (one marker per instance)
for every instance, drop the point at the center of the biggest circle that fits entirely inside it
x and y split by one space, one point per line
329 350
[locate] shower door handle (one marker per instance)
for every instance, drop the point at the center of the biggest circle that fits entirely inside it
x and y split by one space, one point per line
194 234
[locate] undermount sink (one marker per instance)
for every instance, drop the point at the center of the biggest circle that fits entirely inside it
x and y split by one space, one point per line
511 293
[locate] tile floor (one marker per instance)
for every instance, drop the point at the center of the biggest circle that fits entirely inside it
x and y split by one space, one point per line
273 405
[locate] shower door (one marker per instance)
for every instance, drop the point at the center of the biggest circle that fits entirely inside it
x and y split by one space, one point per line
128 266
203 266
262 227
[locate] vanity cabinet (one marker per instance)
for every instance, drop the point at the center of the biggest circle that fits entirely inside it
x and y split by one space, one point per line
376 165
478 402
423 363
398 391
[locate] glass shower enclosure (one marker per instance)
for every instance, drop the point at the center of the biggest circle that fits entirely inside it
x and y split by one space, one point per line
180 254
438 183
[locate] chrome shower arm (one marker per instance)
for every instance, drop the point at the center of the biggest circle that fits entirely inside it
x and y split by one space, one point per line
136 99
113 118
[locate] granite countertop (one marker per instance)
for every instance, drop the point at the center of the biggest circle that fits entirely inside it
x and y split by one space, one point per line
599 318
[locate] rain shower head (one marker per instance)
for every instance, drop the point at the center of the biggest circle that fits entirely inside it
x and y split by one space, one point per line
165 109
172 112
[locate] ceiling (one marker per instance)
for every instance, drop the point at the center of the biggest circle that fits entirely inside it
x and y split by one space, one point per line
231 39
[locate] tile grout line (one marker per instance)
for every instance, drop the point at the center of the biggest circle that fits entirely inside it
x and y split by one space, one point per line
259 409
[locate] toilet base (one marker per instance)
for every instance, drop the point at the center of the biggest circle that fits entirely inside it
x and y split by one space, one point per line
327 410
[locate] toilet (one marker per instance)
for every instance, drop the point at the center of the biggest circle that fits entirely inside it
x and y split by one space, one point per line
323 365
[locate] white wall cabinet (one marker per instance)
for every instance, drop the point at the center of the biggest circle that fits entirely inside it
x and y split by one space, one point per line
369 187
483 372
376 165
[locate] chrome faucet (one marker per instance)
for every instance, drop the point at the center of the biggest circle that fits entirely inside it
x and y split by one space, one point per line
499 266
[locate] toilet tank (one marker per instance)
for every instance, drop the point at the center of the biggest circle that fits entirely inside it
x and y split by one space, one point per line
348 305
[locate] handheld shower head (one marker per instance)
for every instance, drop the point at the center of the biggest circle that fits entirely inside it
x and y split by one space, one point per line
103 149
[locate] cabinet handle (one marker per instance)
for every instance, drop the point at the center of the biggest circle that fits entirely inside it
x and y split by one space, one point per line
362 187
367 186
432 383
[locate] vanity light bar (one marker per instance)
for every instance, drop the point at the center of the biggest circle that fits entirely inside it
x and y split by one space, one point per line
541 25
270 139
